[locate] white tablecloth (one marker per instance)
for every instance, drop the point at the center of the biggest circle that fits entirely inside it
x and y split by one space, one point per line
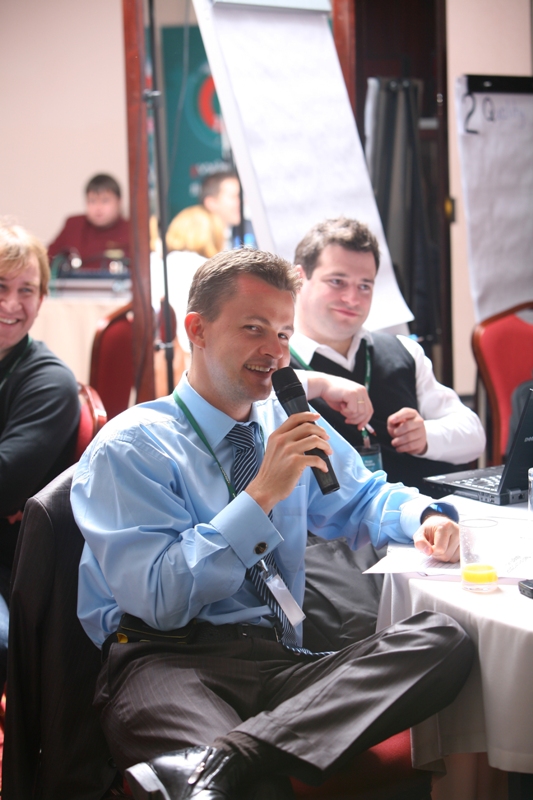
67 325
494 711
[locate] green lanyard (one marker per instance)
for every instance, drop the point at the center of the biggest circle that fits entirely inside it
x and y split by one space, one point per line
368 375
16 363
199 431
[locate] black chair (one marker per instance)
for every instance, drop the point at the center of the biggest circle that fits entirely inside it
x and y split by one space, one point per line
54 748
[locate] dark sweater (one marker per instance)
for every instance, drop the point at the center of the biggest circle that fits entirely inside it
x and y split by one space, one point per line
39 417
91 242
392 386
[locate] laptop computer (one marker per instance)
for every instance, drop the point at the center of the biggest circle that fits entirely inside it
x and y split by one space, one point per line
501 485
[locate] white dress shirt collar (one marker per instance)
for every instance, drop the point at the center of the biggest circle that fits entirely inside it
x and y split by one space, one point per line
306 348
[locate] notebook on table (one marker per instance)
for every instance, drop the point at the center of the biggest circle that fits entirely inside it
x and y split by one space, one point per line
500 485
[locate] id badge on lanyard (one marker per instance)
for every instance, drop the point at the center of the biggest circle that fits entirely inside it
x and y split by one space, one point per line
280 591
371 457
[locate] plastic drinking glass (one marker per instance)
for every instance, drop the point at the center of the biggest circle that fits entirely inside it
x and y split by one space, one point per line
479 548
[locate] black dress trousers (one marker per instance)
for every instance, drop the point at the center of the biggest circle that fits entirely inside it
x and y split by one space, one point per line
320 711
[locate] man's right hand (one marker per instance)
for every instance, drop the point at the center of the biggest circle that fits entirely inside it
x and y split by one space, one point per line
407 430
285 459
349 398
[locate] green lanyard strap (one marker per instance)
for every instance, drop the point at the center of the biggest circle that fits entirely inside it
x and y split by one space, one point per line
300 360
368 367
194 425
199 431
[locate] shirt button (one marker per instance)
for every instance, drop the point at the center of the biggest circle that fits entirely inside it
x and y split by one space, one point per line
260 548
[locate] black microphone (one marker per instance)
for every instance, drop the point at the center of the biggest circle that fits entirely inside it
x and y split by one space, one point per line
291 395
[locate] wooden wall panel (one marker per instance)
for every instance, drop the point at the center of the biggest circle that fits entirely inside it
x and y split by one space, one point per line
343 13
143 336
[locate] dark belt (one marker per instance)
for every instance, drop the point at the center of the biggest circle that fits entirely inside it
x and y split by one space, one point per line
205 632
134 630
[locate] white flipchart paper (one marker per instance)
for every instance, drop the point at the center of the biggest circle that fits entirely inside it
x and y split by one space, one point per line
496 150
292 131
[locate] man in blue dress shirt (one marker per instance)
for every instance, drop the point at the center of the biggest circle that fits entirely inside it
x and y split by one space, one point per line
205 683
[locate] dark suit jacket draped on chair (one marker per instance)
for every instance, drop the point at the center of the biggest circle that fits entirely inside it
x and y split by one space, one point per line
52 664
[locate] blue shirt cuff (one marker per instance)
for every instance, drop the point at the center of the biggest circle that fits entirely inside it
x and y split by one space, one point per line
411 511
247 529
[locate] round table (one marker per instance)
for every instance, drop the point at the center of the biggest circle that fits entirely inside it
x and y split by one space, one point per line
493 712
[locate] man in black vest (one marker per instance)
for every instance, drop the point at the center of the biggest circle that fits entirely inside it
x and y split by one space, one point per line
421 425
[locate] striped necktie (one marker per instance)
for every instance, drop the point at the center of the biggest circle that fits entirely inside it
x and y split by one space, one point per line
245 468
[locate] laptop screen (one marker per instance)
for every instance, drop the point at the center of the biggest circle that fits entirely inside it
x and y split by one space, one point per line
514 475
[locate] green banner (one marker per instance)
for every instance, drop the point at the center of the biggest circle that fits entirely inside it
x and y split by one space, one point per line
194 143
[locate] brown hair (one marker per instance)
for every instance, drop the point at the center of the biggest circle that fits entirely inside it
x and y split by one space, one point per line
215 280
212 183
197 230
16 247
103 183
347 233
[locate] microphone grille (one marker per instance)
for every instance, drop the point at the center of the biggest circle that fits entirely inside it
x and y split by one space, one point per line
286 382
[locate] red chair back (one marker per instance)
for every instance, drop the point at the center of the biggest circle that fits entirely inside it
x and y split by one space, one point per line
92 417
503 349
112 371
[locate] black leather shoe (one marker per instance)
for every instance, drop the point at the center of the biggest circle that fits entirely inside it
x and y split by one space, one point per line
202 773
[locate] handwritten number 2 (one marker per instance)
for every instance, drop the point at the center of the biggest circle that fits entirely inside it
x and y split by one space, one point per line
467 118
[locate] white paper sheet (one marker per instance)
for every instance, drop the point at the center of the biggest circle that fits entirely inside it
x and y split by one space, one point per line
292 131
406 558
497 176
513 562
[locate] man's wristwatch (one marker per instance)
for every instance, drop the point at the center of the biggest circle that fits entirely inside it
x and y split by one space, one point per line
440 509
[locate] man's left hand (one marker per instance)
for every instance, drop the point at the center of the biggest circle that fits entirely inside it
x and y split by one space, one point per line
408 432
438 536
